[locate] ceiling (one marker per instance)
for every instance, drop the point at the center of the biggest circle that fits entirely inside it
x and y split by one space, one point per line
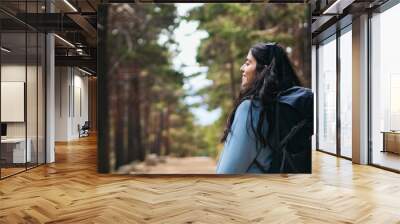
74 22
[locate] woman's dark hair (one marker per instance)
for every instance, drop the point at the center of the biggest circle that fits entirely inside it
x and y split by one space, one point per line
274 73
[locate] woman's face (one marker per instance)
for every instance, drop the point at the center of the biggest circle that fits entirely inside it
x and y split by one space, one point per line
248 70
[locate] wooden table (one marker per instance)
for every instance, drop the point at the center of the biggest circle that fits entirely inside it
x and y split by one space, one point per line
391 141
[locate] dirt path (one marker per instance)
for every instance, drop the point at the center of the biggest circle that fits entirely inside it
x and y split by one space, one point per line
173 165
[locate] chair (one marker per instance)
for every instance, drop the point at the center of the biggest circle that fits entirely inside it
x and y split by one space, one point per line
84 130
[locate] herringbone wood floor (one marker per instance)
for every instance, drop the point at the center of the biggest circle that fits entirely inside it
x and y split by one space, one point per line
70 191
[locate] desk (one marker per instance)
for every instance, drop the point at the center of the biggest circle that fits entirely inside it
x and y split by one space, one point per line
391 141
15 148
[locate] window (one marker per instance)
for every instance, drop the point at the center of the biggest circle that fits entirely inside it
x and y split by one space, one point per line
327 95
346 92
385 88
23 79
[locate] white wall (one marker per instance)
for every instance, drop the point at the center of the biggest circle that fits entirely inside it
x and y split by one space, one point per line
80 110
9 73
33 126
71 94
61 103
12 73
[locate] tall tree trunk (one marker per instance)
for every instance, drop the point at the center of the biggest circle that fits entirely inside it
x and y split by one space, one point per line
134 117
159 139
154 131
166 137
145 110
121 151
146 125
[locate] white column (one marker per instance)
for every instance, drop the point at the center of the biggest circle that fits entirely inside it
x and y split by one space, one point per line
50 92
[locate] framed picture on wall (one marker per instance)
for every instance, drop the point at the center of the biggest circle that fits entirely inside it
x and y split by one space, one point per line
177 82
12 101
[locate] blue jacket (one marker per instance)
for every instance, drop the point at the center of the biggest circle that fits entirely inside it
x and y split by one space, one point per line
241 150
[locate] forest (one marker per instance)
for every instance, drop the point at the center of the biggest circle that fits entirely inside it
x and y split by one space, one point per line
148 114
